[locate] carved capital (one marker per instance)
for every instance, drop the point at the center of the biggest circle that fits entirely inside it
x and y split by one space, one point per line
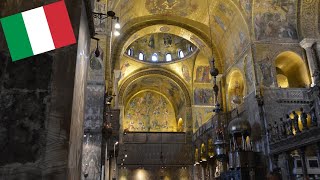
307 43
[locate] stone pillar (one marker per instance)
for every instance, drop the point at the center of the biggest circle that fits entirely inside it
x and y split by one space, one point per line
203 167
288 165
317 50
318 153
116 79
93 122
93 119
312 62
275 159
107 168
67 90
188 124
211 172
302 154
112 169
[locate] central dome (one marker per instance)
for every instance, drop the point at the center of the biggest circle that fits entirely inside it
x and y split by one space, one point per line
160 48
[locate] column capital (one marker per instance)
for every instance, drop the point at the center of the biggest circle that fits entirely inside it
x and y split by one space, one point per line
307 42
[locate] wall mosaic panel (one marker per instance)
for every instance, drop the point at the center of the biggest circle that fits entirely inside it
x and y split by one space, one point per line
175 7
201 115
274 19
149 111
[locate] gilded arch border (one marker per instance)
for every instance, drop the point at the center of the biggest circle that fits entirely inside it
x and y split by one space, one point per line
176 79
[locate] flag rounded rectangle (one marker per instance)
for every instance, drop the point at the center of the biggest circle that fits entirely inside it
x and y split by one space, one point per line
38 30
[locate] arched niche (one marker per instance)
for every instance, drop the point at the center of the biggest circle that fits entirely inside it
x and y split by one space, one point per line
163 83
235 88
291 71
149 111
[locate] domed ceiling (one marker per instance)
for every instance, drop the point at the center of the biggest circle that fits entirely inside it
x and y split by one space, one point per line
160 48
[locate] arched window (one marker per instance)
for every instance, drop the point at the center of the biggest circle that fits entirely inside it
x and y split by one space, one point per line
191 49
168 57
180 54
141 56
154 57
130 52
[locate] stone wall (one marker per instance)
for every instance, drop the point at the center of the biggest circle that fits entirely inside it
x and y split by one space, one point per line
24 101
36 96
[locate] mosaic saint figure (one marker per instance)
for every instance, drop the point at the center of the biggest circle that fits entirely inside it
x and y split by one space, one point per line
289 125
282 128
295 122
314 120
303 118
275 131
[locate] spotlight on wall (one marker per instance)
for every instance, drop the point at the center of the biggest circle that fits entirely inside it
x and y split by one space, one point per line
117 24
116 33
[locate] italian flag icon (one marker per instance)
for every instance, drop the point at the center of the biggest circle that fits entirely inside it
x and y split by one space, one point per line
38 30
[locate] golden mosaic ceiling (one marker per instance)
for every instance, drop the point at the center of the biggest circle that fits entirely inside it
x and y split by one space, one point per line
227 19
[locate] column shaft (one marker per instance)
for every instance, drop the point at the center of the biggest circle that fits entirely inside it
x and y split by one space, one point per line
312 63
303 163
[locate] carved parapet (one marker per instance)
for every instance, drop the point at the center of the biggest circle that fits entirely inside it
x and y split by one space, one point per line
150 153
292 95
154 137
305 138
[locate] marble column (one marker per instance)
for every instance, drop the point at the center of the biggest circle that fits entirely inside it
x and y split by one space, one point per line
302 154
312 62
93 123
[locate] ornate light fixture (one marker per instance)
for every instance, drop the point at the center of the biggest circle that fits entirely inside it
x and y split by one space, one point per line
97 52
219 143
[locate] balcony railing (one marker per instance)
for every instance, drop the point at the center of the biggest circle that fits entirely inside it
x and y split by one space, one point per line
154 137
